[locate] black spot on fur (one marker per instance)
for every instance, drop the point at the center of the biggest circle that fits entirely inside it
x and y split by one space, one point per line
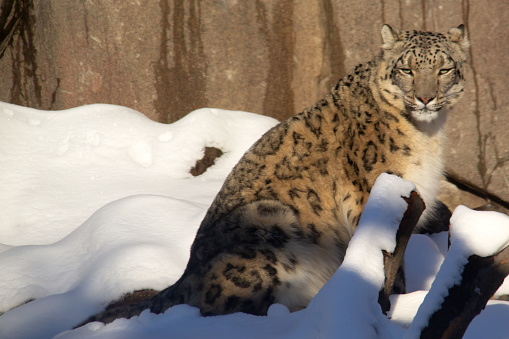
268 297
287 170
314 124
230 267
257 280
257 287
266 209
352 164
322 146
297 138
290 264
294 193
270 143
314 201
266 193
277 237
271 270
313 234
321 165
391 117
269 255
334 187
297 231
231 303
392 146
213 293
355 220
370 156
360 201
394 173
240 282
246 253
235 275
406 150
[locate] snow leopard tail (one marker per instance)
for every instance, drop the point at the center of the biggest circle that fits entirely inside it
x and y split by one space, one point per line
157 304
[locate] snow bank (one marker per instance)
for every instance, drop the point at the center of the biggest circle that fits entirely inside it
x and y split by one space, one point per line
138 238
60 167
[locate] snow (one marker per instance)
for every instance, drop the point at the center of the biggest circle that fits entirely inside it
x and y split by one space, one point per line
62 170
481 233
422 266
97 201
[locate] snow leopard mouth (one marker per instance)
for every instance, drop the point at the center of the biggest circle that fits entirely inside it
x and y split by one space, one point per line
424 115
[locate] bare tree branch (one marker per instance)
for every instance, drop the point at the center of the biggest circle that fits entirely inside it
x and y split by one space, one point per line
481 278
393 262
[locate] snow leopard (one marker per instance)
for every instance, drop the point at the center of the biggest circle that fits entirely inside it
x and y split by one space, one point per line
280 225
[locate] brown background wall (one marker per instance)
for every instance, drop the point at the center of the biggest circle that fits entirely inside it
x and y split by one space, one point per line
168 57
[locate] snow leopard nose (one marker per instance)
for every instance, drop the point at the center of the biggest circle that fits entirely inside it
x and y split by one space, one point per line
425 100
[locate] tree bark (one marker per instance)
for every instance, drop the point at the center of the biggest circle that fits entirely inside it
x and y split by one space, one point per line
481 278
393 262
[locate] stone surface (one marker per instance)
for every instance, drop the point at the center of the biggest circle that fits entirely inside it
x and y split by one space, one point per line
169 57
452 196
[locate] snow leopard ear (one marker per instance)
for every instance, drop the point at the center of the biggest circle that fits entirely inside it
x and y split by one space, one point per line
389 37
459 35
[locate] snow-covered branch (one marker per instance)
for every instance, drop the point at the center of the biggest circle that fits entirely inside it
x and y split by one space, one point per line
481 278
393 262
473 270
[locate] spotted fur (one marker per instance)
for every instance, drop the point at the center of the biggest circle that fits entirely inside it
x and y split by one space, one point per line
280 225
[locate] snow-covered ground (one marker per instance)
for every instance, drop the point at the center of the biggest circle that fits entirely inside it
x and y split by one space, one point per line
97 201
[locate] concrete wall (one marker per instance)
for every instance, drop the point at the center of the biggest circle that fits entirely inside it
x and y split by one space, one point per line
168 57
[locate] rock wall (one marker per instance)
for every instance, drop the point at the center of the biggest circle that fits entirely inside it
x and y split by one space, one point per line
168 57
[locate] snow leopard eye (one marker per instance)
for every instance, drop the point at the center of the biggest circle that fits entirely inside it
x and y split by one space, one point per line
406 71
445 71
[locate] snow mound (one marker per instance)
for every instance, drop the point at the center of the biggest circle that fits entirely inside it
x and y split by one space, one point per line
60 170
481 233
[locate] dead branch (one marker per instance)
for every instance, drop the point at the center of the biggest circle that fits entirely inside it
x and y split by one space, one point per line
481 278
393 262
